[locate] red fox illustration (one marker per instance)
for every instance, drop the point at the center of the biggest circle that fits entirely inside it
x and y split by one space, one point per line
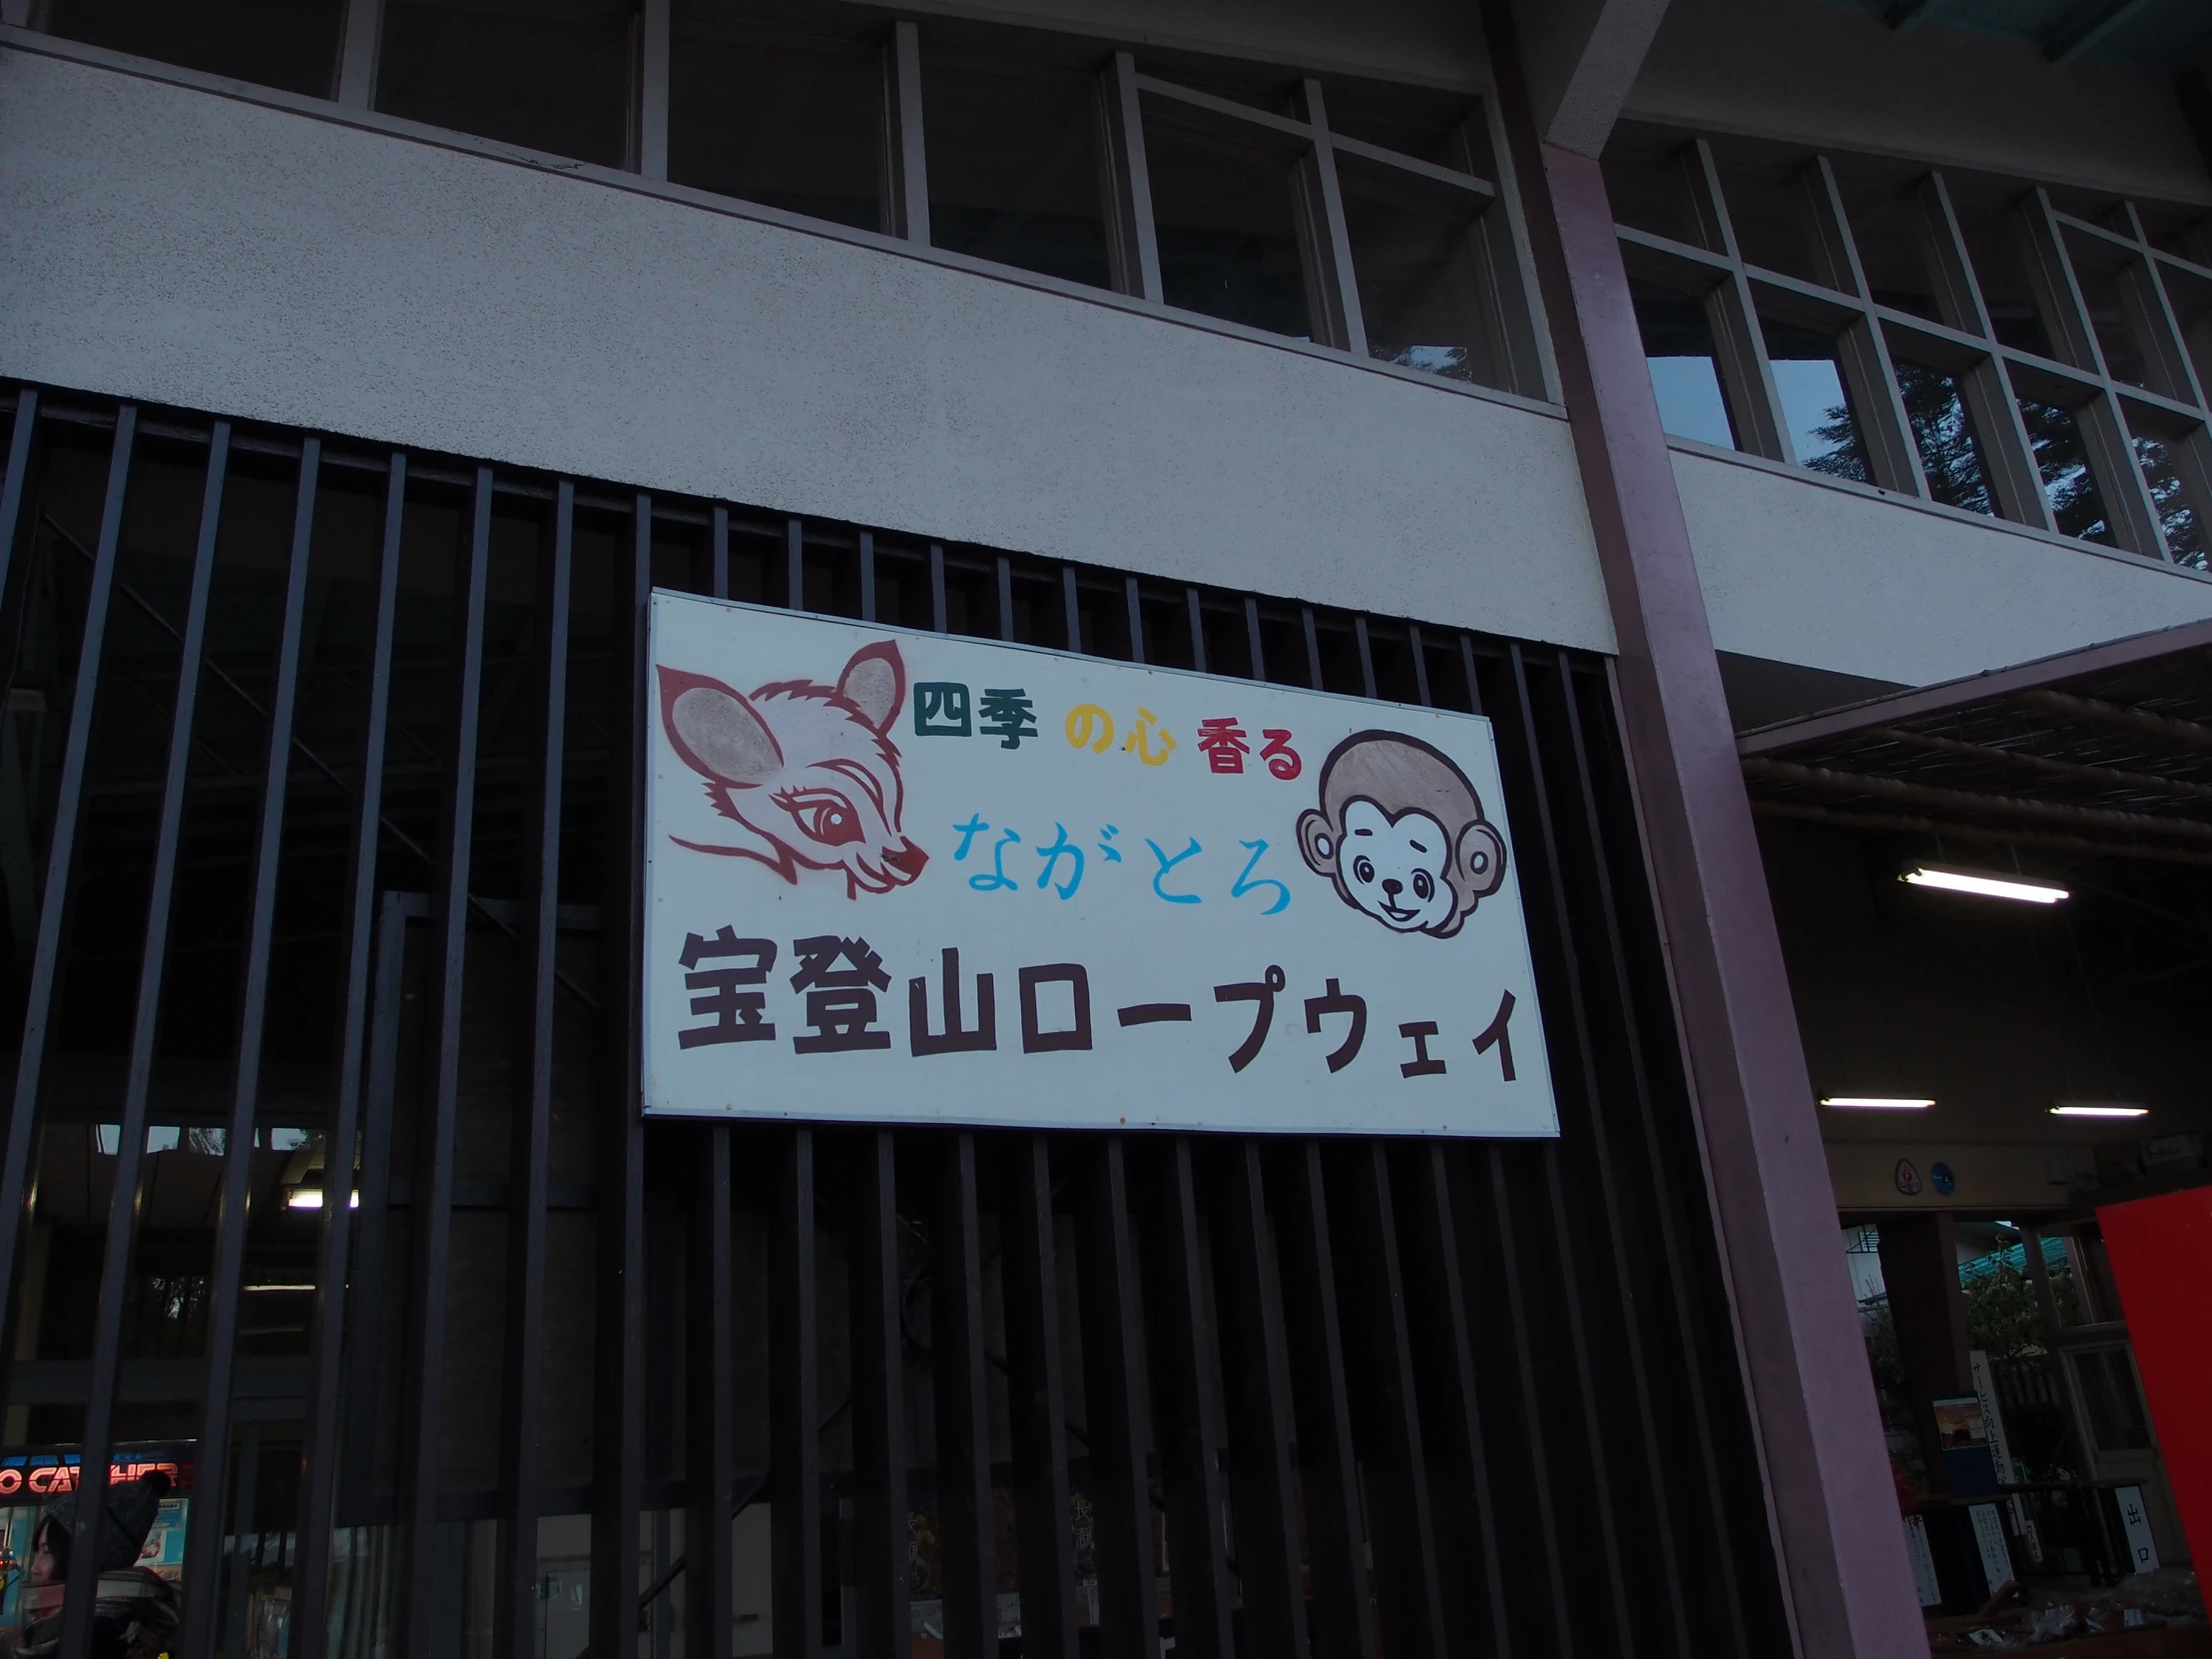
804 768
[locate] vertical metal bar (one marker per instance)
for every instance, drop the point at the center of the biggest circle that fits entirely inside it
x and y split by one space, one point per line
878 1405
653 88
366 1295
320 1450
1414 644
710 1605
97 1438
1125 183
1113 1394
1378 1367
618 1396
1135 602
867 575
1342 1614
905 163
719 552
1071 611
1036 1398
795 1411
1467 667
1198 629
1256 1379
530 1111
202 1549
2128 507
1326 241
14 486
1005 597
360 38
1253 642
1313 645
939 619
423 1393
1745 372
1891 453
1473 1580
966 1517
1186 1429
61 848
794 564
1367 656
2057 294
241 1565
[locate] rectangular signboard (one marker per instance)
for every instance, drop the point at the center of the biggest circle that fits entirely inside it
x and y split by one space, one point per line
902 877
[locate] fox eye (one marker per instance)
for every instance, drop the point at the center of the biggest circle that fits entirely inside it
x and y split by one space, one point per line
825 818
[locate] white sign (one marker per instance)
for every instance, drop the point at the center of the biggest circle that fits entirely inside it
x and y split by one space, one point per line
913 878
1923 1561
2142 1550
1989 1540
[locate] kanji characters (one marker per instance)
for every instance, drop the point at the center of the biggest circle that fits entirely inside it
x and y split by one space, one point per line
1139 742
841 1002
1008 715
941 710
984 1036
1224 745
737 1012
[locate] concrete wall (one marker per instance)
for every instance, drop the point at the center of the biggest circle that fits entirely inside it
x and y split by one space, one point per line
1840 578
169 244
1837 75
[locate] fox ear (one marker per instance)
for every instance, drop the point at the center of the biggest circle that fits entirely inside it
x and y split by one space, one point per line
875 682
716 730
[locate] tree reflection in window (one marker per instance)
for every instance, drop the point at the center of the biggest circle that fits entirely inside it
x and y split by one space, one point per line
1943 431
2076 504
2184 527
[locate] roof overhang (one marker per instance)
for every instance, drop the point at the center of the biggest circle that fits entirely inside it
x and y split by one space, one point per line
2104 752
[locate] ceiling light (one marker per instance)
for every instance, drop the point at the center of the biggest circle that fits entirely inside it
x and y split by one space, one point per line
311 1198
255 1289
2098 1109
1876 1103
1985 885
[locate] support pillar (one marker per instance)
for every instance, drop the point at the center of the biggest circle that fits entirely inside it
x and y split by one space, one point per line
1832 1504
1919 1270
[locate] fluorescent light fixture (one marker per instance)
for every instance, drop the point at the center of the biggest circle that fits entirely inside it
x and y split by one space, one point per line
1876 1103
311 1198
1985 885
255 1290
2098 1109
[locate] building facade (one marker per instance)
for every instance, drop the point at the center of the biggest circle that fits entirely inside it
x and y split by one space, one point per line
1634 374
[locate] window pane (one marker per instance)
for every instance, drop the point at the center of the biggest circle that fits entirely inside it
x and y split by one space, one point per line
1648 183
2099 275
1991 228
1886 225
1685 366
1773 217
1013 165
1226 227
1809 381
292 44
1421 284
1413 121
1950 455
546 77
2071 488
2178 510
786 117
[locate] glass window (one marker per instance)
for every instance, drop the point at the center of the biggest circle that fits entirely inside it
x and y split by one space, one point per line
2101 271
1227 227
1684 363
1992 227
788 116
1648 183
1943 431
554 78
2161 451
1013 164
1809 379
1413 121
2076 504
1419 271
1773 218
2115 1405
292 44
1886 225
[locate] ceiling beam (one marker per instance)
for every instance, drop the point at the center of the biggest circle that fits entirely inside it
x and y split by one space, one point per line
2114 714
2088 26
2112 777
1975 833
1835 781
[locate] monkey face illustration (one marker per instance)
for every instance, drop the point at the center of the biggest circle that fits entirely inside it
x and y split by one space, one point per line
1401 831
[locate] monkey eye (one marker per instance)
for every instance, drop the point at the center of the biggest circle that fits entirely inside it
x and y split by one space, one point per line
1424 886
1363 870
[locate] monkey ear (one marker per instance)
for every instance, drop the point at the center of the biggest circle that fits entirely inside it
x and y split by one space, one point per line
1316 841
875 682
1482 859
716 730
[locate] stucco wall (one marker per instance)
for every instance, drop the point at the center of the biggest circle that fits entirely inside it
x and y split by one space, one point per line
1842 579
1837 75
169 244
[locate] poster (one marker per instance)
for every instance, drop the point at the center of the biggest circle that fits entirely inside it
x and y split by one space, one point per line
895 877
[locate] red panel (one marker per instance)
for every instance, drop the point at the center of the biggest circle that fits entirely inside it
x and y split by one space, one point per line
2161 1254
